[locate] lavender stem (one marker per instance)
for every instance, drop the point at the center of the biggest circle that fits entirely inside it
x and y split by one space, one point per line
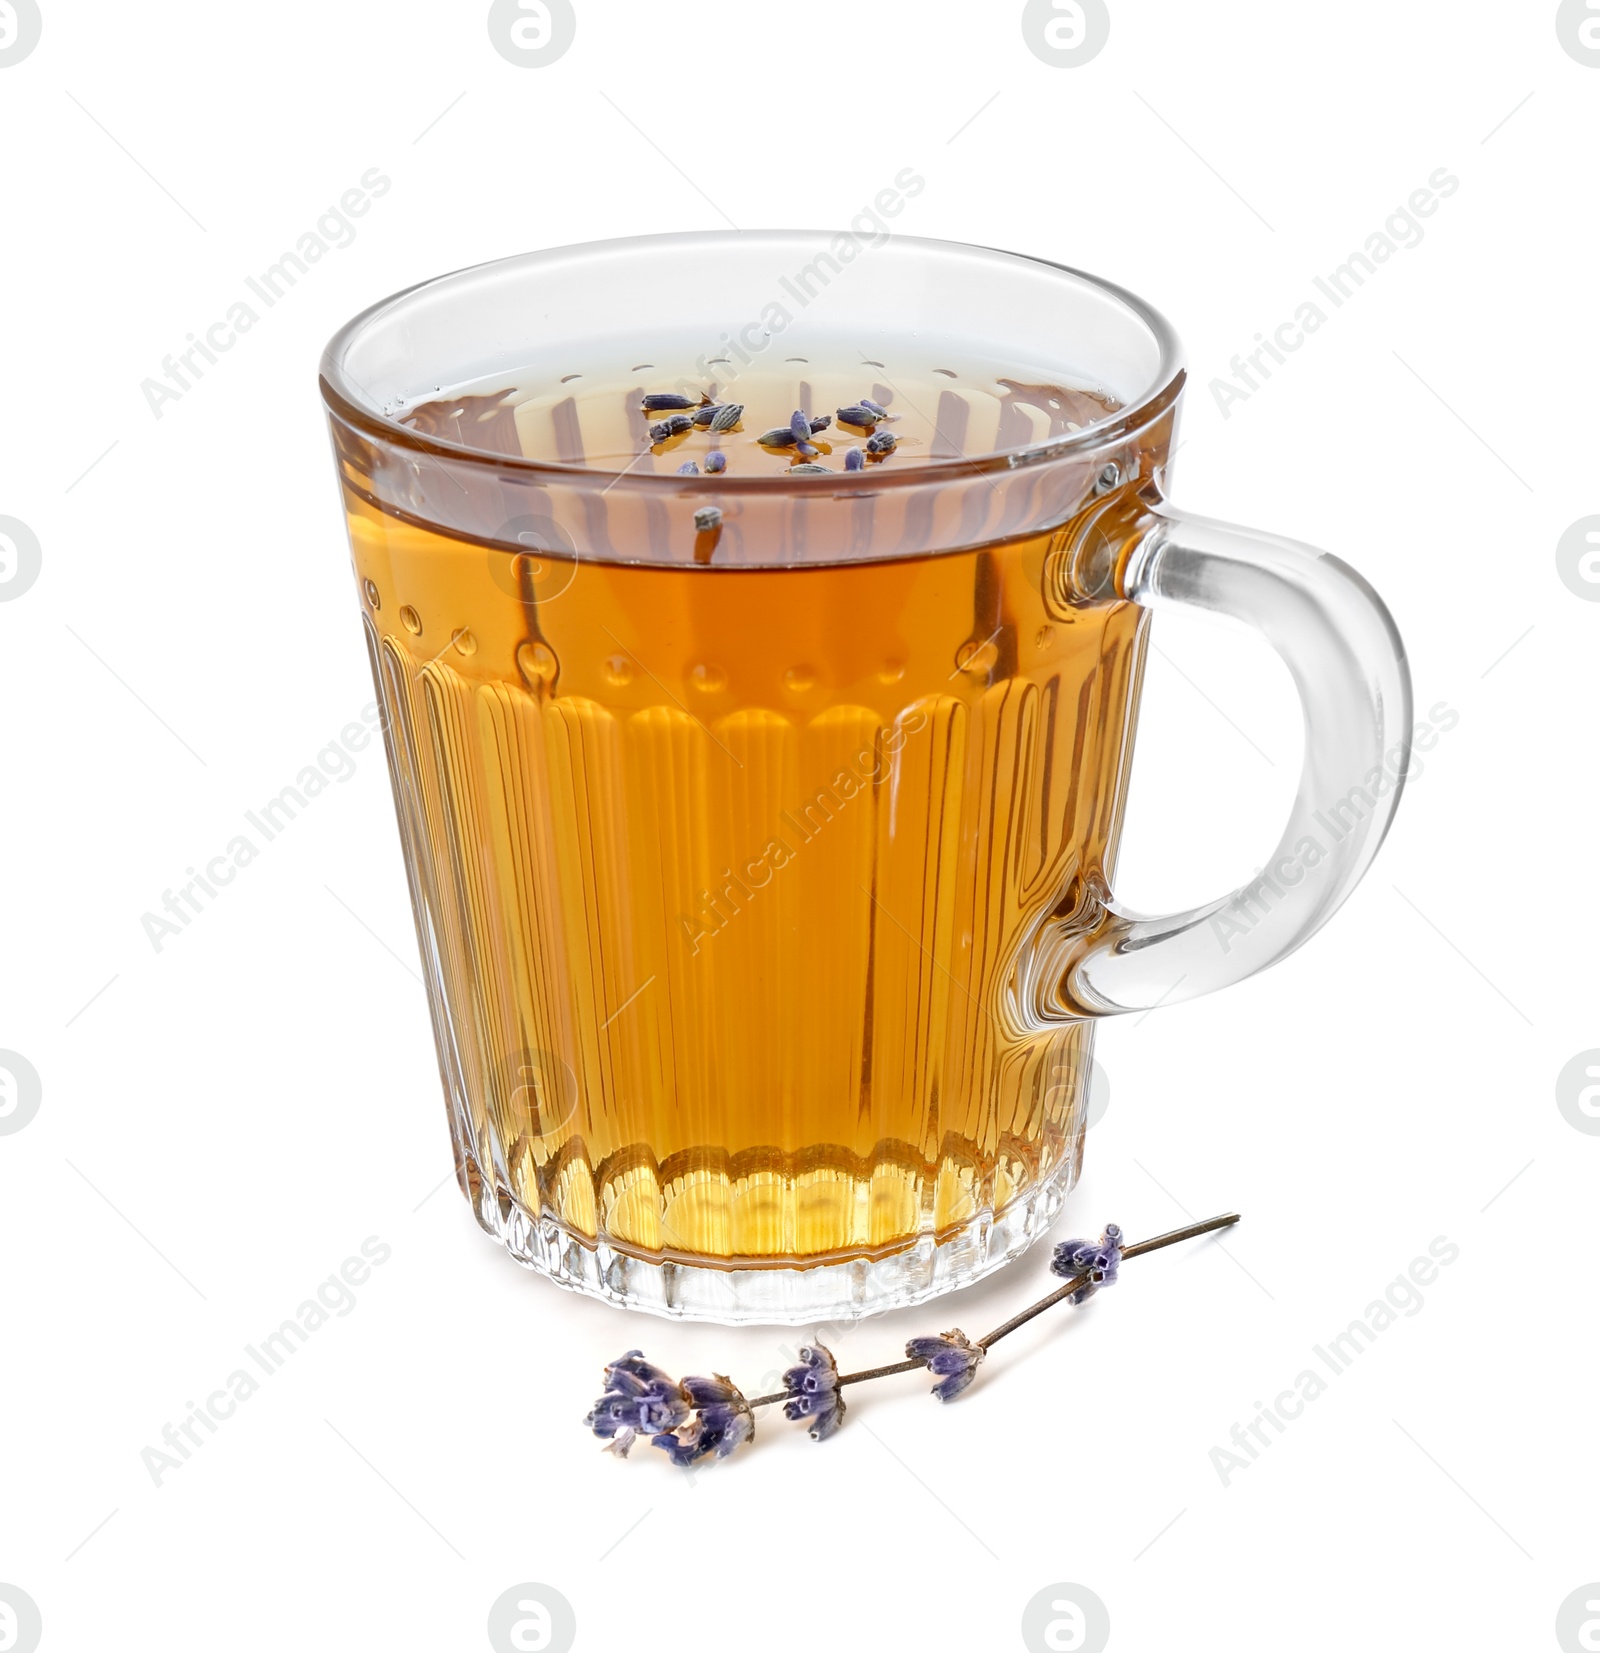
1158 1243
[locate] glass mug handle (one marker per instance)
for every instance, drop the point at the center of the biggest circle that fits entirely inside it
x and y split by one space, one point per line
1348 663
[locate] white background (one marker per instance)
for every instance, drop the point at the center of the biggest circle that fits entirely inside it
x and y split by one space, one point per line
223 1122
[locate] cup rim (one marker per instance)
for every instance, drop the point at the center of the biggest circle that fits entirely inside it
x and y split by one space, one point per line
342 397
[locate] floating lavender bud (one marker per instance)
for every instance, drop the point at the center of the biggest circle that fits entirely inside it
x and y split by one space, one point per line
882 441
808 470
716 462
1100 1259
821 422
950 1357
782 437
640 1399
688 468
722 1422
675 426
855 460
814 1392
708 518
805 450
858 414
800 425
667 401
719 416
877 411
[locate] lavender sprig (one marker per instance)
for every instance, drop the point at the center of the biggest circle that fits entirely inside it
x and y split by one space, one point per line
704 1417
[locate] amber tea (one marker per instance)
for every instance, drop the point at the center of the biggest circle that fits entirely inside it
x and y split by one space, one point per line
738 857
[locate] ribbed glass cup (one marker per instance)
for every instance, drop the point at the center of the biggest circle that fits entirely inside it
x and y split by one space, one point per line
761 860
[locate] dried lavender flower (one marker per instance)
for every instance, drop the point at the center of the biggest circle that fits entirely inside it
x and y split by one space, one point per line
1100 1259
855 460
667 401
808 470
800 425
688 468
805 450
719 416
821 422
882 441
707 1417
813 1387
876 410
780 437
722 1422
707 518
950 1357
716 461
858 414
675 426
640 1399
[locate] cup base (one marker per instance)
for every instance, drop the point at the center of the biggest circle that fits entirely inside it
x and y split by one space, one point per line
780 1296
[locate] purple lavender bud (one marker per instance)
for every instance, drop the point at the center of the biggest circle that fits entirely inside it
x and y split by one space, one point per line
640 1399
882 441
716 462
808 470
675 426
782 437
950 1357
722 1422
876 411
1100 1259
707 519
821 422
814 1392
858 414
666 401
688 468
805 450
800 425
718 416
855 460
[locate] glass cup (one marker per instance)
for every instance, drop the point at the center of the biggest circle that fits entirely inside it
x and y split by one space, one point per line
761 827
